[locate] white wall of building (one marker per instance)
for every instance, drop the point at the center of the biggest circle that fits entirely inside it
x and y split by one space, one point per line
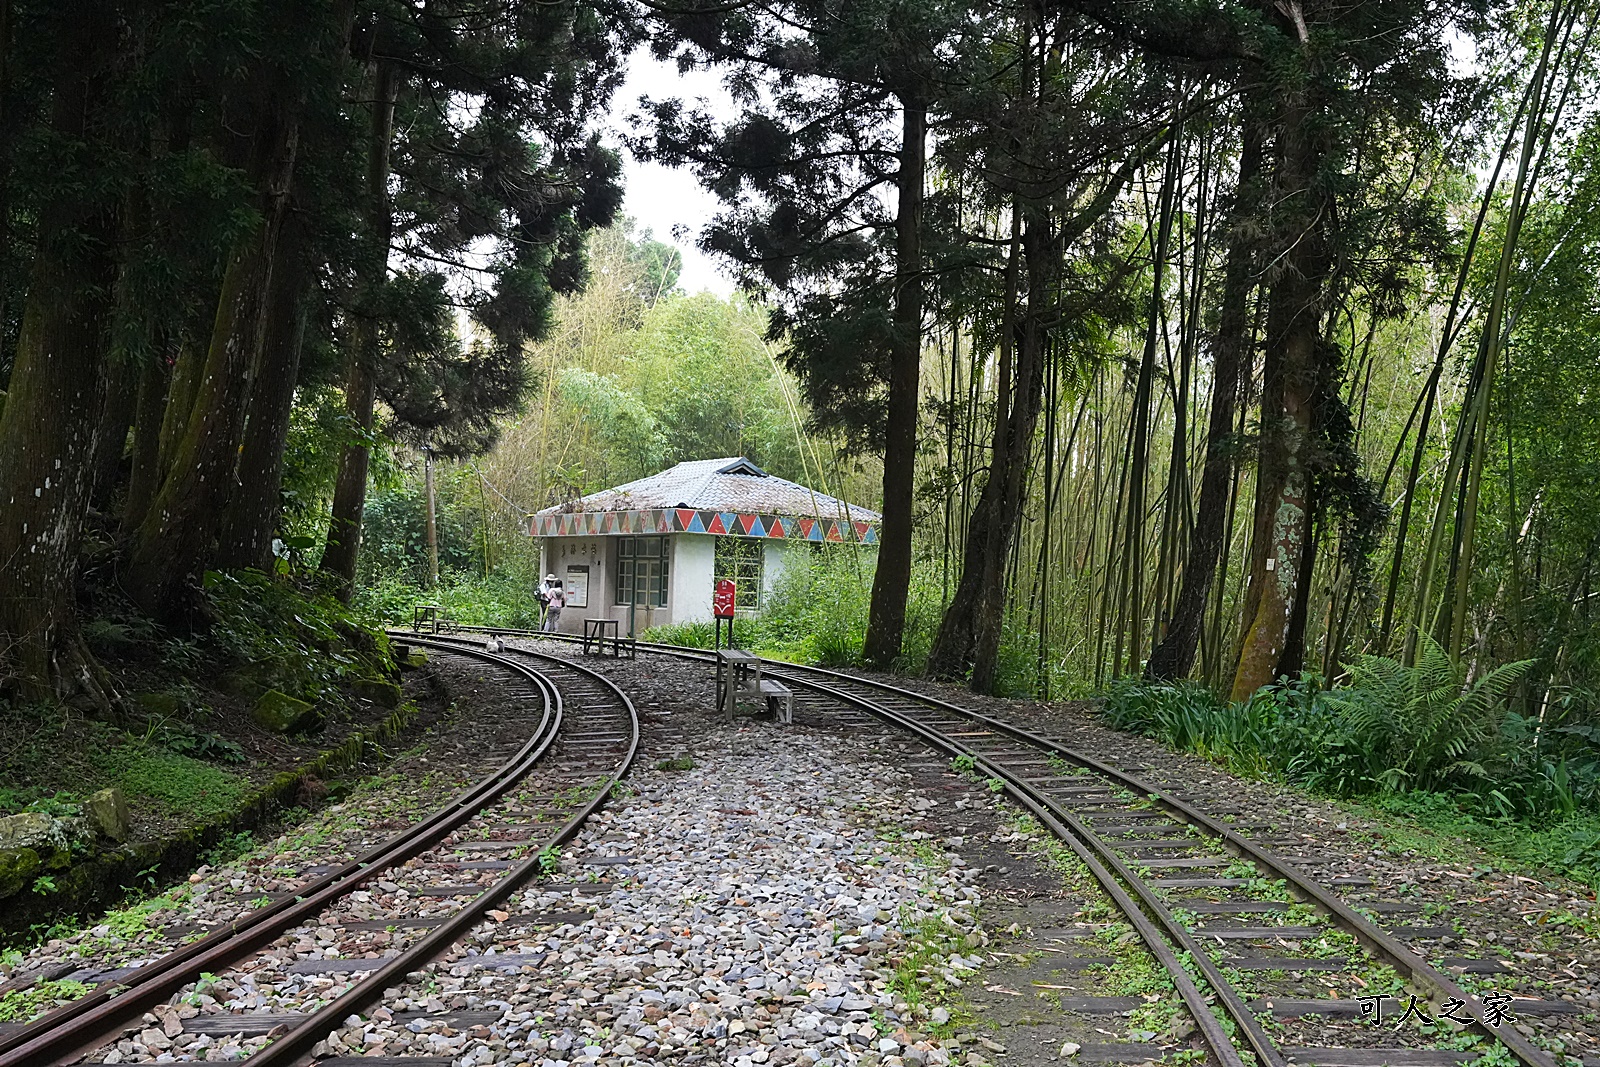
691 578
689 581
558 554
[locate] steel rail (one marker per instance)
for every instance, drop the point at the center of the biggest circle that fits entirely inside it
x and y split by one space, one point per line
1393 951
1065 826
84 1024
1388 948
292 1047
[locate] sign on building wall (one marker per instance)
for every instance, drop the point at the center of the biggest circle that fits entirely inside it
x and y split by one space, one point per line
577 587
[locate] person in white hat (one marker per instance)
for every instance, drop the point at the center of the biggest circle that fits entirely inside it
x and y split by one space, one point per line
542 595
552 608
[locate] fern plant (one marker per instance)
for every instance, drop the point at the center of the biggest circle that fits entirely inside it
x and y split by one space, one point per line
1425 719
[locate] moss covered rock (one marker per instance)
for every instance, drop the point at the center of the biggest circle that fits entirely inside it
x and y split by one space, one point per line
28 829
107 811
282 713
379 691
17 868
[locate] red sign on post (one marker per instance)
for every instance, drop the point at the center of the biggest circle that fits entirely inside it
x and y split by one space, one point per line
722 599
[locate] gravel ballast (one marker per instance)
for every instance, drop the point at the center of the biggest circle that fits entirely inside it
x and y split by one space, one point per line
748 914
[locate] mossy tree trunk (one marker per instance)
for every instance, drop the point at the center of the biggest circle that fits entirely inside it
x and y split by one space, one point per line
1293 366
177 538
55 401
253 510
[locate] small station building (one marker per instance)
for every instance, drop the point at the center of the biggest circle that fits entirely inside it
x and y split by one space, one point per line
650 552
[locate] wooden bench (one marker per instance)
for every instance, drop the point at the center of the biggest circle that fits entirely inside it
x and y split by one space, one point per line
738 675
426 615
780 699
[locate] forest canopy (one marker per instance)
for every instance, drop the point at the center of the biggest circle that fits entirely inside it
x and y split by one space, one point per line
1244 345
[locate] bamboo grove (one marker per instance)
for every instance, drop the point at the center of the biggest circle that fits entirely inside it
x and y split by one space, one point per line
1241 352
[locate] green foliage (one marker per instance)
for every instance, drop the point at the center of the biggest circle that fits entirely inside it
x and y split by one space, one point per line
503 598
1424 721
394 533
28 1004
185 740
229 848
687 634
1419 740
303 642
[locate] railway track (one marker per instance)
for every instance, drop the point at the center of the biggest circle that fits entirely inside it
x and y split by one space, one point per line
1211 904
443 876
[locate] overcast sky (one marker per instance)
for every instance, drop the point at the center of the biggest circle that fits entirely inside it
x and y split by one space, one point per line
666 201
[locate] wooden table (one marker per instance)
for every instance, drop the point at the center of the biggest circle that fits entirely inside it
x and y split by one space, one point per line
738 675
594 630
426 615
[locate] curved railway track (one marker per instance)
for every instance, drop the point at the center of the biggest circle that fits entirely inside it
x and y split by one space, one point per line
1144 845
584 737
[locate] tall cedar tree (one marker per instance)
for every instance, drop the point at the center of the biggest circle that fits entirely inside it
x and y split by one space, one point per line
180 219
1336 74
55 391
1046 129
520 172
834 110
177 537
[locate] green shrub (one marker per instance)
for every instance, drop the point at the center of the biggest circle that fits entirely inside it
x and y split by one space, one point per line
303 641
503 598
1416 739
1424 721
688 634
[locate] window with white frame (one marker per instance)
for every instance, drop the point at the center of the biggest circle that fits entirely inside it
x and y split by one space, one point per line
739 558
641 571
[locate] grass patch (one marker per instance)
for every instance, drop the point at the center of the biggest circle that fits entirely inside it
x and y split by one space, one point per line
28 1004
1436 826
1421 743
917 977
676 763
177 784
59 757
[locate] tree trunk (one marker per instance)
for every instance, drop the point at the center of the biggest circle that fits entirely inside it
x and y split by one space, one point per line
145 476
968 641
252 513
188 366
891 582
176 541
1292 660
1174 657
116 418
1283 516
55 399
